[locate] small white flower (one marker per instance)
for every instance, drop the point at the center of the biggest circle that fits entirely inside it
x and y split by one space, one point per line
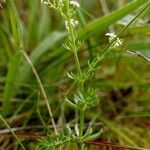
75 4
66 25
112 36
74 23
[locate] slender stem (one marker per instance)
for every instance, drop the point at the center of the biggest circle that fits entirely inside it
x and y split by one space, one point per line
3 120
73 40
81 126
42 90
75 51
77 63
81 122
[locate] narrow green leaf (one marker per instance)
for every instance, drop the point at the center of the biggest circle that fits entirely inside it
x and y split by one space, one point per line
101 24
15 61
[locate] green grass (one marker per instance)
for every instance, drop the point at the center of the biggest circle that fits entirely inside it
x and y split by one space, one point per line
109 82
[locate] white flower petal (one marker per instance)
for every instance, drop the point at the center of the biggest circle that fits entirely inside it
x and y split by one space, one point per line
75 4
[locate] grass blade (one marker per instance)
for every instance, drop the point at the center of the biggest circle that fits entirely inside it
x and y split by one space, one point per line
101 24
15 61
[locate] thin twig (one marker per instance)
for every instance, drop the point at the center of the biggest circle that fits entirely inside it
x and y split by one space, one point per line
136 53
3 120
42 90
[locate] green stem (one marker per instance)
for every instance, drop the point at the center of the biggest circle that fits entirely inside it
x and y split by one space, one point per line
77 63
81 126
74 50
73 40
81 122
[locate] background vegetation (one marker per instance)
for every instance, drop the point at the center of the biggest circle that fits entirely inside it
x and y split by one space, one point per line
122 82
